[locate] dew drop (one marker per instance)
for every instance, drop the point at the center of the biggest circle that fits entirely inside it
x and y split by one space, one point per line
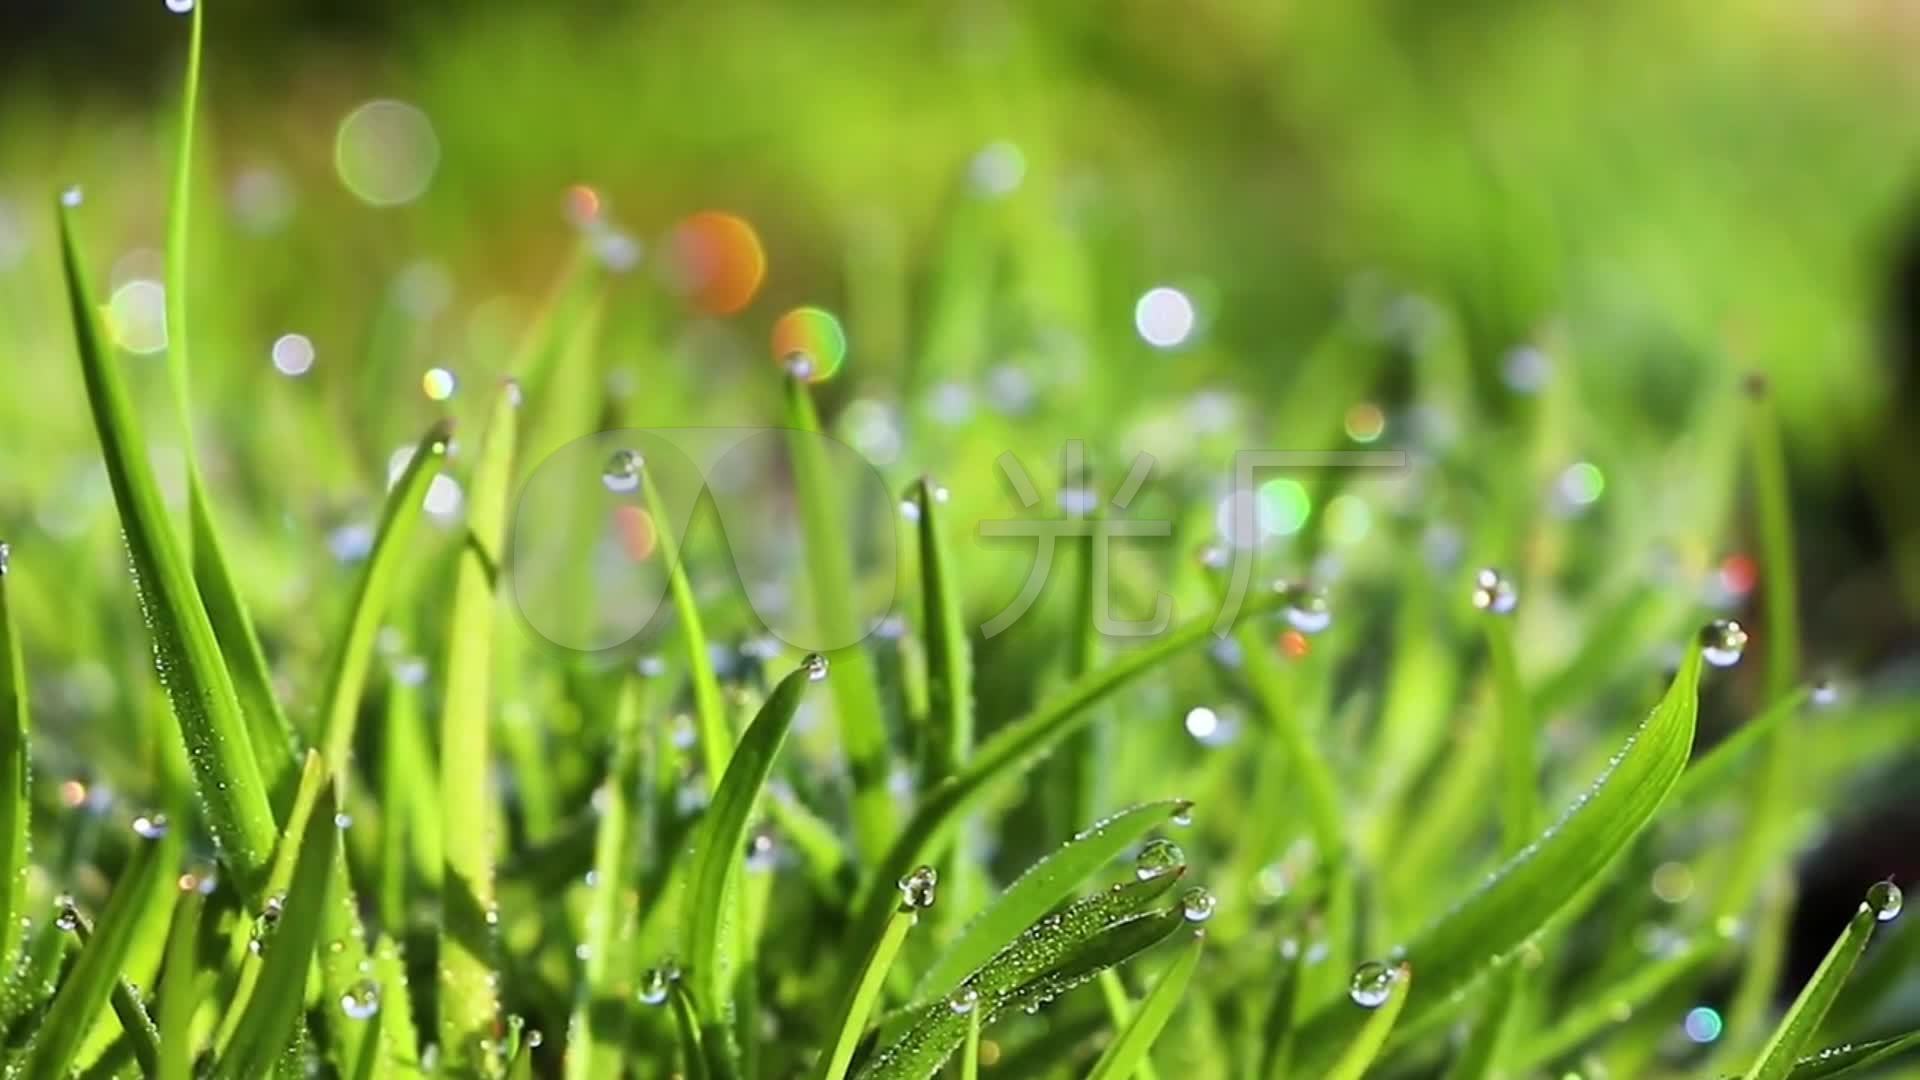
1492 592
5 551
654 983
343 820
1183 817
266 924
963 1000
1823 694
1307 609
1158 858
799 365
72 197
66 915
1197 904
1372 984
180 7
1886 900
361 1000
150 826
1722 641
917 889
622 473
816 667
909 509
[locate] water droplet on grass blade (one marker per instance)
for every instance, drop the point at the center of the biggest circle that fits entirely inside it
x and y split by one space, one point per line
1824 694
361 1000
1159 857
180 7
1722 641
1307 608
655 983
1197 904
266 924
917 889
963 1000
150 826
1372 984
1886 901
72 197
622 471
1492 592
816 667
66 915
6 551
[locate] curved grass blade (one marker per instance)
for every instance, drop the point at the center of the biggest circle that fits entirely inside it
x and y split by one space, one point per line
1371 1037
710 713
31 985
15 790
1128 1051
95 974
1040 890
937 1029
136 1025
1485 1048
686 1020
180 989
851 1019
595 1035
1600 1009
1719 769
226 773
270 1018
1846 1060
347 674
1009 750
856 691
713 900
469 1002
1797 1028
1519 759
1534 885
949 657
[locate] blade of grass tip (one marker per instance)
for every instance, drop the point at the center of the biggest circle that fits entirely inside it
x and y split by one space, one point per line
1048 882
395 1035
139 964
597 1033
267 726
91 982
226 773
347 675
713 900
180 987
1372 1035
1011 748
1128 1051
709 710
1717 770
851 1018
15 788
270 1019
686 1020
1796 1029
856 692
469 1000
949 656
1534 885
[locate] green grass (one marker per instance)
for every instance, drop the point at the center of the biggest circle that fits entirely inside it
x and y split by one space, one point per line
410 837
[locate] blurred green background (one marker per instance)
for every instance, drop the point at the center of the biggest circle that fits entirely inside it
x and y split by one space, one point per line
1594 217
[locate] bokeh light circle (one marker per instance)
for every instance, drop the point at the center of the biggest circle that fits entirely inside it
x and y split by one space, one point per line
137 316
1284 506
808 341
716 261
386 152
293 354
1164 317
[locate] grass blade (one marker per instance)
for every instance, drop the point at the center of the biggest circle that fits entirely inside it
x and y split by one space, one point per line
713 900
1486 1046
226 773
709 711
1128 1051
180 990
469 1003
270 1018
1795 1032
595 1032
851 1019
949 735
1533 886
1010 750
347 675
686 1020
1081 955
1371 1037
1040 890
856 692
1519 759
15 790
90 984
1838 1061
